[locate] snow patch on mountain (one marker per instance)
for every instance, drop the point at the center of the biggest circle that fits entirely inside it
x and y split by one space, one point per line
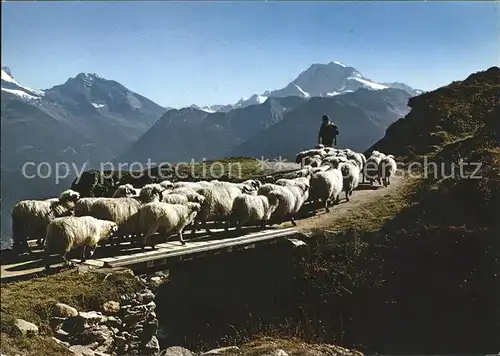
306 95
369 84
98 106
10 85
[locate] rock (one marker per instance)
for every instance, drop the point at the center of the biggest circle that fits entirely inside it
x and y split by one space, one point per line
114 322
155 281
153 346
64 311
279 352
126 335
59 342
93 317
111 307
93 345
120 341
25 328
80 350
222 351
74 325
176 351
62 335
138 309
56 322
127 297
150 328
146 296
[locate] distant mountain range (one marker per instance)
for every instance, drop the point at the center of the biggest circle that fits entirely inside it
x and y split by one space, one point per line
90 119
319 80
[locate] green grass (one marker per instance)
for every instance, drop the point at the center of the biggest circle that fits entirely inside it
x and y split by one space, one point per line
34 301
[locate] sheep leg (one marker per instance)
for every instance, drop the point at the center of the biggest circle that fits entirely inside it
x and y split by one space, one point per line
388 180
39 241
46 259
181 239
292 220
327 209
84 252
194 228
347 195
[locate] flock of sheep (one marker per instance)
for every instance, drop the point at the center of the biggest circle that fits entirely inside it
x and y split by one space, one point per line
70 221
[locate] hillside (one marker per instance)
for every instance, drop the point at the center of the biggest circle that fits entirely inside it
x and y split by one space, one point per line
456 111
189 133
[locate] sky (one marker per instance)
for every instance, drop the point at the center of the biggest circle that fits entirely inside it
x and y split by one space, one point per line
180 53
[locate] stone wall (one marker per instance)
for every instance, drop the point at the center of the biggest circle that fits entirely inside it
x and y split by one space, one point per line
124 327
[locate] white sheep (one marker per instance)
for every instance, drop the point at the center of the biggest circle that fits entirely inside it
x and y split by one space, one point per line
126 190
166 218
189 193
218 203
386 169
31 217
326 186
300 158
183 198
289 198
82 205
167 184
65 233
123 211
313 161
256 209
370 170
350 173
194 185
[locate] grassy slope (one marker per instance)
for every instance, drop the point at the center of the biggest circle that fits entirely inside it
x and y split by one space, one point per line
34 301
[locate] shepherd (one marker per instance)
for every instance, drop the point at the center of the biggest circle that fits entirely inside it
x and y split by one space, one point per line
328 132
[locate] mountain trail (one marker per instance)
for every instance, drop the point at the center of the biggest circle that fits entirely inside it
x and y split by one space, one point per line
362 196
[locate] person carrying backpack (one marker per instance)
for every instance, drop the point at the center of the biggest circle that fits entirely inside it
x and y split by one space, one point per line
328 132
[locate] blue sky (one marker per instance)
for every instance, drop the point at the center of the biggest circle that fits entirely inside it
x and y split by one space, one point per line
179 53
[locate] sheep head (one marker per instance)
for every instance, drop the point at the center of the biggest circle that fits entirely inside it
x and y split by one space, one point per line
69 196
194 206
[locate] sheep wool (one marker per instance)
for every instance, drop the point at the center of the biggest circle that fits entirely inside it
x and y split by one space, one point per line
350 173
387 168
326 186
31 217
66 233
251 208
168 218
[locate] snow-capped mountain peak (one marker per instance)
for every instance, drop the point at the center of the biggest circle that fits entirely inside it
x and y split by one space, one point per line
12 87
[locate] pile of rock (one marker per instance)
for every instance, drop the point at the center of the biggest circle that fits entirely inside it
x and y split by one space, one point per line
124 327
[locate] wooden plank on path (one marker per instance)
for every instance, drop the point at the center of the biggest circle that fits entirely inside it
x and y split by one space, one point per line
203 246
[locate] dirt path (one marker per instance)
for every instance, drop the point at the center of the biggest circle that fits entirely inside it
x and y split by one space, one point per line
363 195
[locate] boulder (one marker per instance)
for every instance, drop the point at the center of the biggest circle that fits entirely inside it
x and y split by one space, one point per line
25 328
152 347
80 350
230 350
176 351
279 352
62 310
111 308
